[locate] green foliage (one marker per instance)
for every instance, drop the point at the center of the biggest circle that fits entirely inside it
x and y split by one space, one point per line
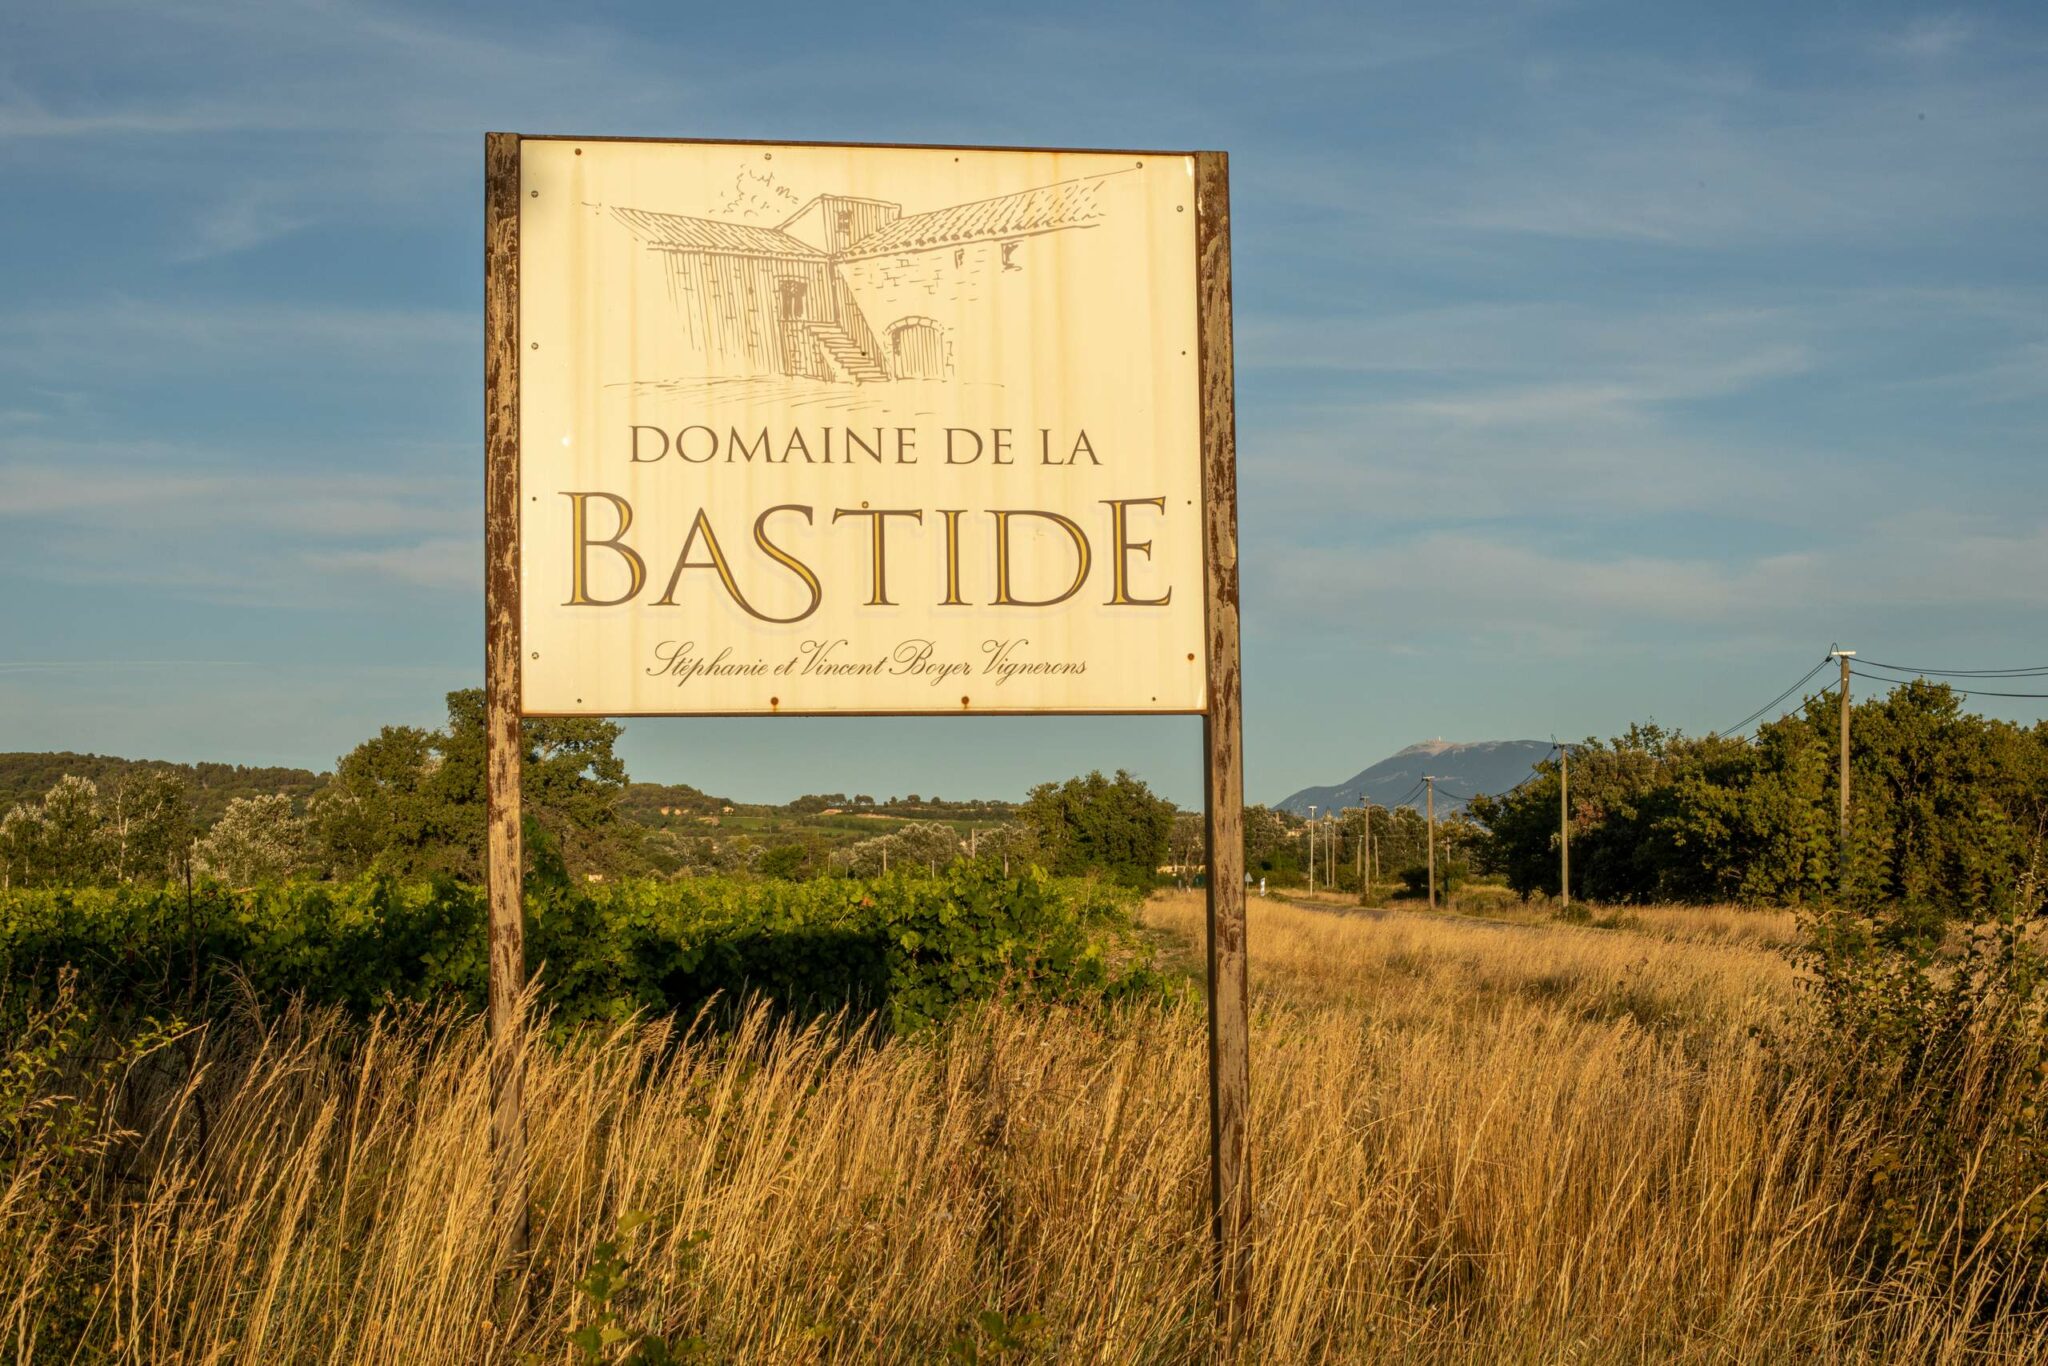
208 788
1115 826
654 804
60 839
930 845
136 827
411 803
1013 843
1451 874
149 824
258 839
57 1075
614 1287
909 946
1950 812
994 1336
1268 849
1939 1041
788 861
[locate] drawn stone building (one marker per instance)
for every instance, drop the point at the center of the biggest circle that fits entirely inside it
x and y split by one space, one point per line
848 290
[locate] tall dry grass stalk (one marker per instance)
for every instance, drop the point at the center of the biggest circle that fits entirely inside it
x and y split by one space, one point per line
1472 1143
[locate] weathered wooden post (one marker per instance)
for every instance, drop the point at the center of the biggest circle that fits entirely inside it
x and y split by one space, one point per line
502 746
1230 1173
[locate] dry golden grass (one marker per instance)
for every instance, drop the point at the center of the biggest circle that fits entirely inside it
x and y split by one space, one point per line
1766 927
1684 969
1472 1142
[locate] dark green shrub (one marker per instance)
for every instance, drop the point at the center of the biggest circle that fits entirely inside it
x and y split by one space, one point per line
1451 874
1938 1040
909 946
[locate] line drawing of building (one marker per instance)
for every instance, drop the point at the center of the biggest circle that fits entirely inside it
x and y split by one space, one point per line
851 290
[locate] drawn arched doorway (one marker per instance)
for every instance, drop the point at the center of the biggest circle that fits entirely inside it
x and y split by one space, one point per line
917 349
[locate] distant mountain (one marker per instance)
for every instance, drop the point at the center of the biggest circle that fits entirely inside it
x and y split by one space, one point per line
1462 771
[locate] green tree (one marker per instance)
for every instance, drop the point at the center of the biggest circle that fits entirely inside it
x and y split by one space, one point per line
1187 843
1265 833
378 811
139 828
21 843
930 845
1013 846
1274 845
256 840
1949 812
149 824
1112 825
65 836
919 845
790 862
412 802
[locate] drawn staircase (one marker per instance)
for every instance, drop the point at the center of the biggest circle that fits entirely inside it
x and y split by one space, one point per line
847 356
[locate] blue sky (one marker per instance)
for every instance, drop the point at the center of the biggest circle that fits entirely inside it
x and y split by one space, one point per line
1595 362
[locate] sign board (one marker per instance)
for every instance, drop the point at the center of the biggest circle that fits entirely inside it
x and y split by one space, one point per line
818 429
815 429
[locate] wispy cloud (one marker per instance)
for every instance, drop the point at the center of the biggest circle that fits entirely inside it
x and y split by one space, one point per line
383 104
187 498
235 536
90 338
450 563
1927 38
1470 584
1611 155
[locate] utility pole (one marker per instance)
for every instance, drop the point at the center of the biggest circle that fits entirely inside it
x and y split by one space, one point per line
1430 783
1845 656
1333 841
1333 852
1365 882
1311 848
1358 850
1564 826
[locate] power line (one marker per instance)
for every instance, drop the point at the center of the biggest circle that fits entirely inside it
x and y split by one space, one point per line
1534 771
2030 671
1963 692
1746 722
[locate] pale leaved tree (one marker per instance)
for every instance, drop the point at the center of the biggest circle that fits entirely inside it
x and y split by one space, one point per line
75 849
21 843
257 839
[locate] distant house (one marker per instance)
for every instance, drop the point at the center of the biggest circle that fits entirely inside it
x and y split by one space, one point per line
851 290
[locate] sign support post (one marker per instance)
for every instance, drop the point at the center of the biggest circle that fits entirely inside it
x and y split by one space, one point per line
503 750
1223 761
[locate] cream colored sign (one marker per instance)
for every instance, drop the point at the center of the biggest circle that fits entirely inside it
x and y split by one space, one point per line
839 429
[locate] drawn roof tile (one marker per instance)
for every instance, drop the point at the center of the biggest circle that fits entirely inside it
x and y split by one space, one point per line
710 234
1068 204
